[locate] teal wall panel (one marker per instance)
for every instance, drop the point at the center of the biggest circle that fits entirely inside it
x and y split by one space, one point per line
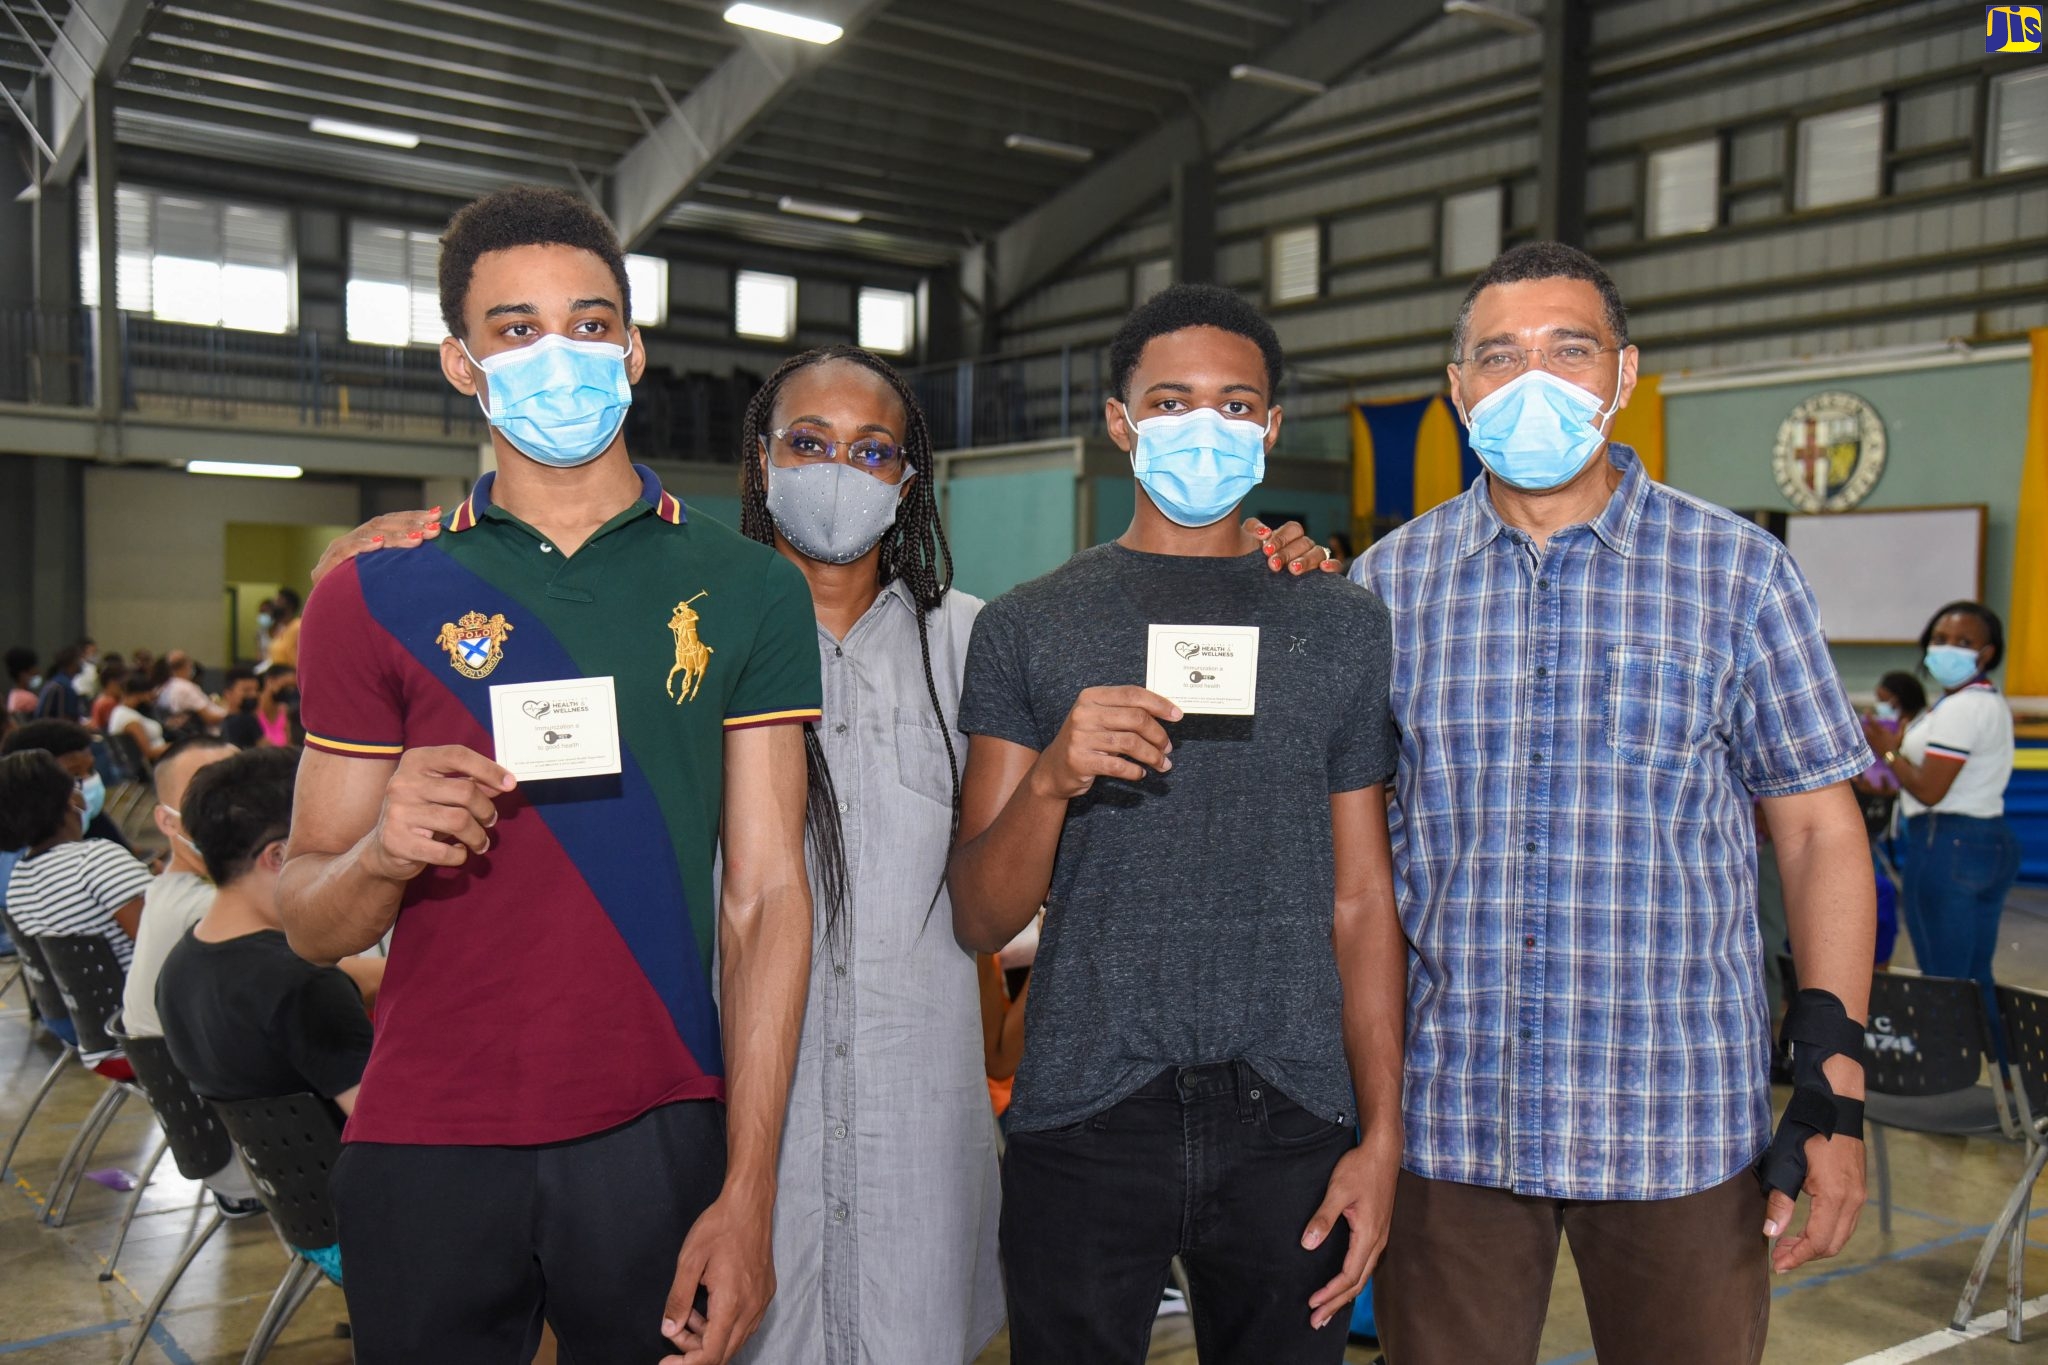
1954 434
1007 526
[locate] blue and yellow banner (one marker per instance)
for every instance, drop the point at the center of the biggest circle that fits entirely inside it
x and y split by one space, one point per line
2026 661
1407 455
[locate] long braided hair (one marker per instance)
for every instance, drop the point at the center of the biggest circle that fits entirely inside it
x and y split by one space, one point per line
914 550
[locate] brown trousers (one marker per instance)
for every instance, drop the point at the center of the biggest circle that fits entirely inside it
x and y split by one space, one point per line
1467 1271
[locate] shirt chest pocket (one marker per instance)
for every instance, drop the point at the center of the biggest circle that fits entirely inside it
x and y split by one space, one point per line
1659 707
922 765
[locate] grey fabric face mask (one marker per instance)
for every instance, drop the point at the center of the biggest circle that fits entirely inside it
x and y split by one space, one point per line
832 512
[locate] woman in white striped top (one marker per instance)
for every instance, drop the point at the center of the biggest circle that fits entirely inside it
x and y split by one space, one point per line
64 882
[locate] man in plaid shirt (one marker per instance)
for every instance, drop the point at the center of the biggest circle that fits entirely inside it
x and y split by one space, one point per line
1594 676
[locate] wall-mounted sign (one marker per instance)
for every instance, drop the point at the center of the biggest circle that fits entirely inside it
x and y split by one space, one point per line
1830 452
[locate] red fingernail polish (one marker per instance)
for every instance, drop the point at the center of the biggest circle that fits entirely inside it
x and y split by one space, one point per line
376 540
415 535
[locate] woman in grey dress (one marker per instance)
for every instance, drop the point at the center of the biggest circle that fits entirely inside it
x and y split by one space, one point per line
885 1215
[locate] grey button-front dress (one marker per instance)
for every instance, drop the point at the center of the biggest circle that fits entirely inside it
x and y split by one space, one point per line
885 1219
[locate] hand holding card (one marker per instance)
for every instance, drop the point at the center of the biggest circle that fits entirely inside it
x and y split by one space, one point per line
566 728
1205 670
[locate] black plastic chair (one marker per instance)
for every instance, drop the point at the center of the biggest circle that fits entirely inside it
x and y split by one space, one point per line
193 1134
91 979
2025 1014
129 784
198 1142
289 1145
1925 1054
46 1004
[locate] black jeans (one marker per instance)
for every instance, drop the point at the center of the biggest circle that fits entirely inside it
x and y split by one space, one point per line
453 1255
1208 1163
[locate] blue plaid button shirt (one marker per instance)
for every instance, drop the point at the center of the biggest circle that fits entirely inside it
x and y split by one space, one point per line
1582 731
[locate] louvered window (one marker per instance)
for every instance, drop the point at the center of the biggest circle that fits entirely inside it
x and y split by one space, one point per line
187 258
1294 264
394 292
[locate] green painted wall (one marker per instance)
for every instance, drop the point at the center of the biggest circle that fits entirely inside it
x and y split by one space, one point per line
1956 434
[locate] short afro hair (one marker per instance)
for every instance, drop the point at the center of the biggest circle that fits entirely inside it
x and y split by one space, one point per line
1542 261
1181 306
35 796
238 807
522 215
55 737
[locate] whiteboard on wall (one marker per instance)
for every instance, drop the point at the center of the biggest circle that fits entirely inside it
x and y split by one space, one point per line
1878 576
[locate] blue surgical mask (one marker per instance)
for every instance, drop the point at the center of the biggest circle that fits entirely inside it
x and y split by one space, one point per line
1951 665
1197 465
1887 711
95 792
1537 431
832 512
559 402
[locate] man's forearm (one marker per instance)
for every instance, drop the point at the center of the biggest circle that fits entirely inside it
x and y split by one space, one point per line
1831 910
1000 877
763 982
333 906
1372 964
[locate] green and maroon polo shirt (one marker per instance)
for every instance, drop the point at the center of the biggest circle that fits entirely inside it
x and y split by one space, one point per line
561 983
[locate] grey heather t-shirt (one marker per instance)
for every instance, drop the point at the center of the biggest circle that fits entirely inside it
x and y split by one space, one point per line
1189 916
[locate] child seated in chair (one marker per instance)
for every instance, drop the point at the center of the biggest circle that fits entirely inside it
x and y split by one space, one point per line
245 1017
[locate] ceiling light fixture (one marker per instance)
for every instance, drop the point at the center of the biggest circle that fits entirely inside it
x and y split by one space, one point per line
805 208
363 132
1276 80
783 23
1495 15
1045 146
243 470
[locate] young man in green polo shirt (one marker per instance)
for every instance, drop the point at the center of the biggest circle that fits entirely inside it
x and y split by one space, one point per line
553 1124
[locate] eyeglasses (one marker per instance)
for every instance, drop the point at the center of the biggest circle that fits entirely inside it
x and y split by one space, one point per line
801 445
1504 359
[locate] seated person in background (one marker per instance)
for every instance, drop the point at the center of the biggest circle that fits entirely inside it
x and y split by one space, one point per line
181 698
268 720
284 629
112 678
71 745
59 699
1900 701
239 698
175 901
64 882
181 896
21 681
246 1017
131 719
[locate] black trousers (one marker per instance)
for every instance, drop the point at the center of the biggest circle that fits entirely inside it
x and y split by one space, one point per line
1208 1163
454 1255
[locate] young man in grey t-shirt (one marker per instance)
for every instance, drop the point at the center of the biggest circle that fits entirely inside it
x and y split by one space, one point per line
1216 1008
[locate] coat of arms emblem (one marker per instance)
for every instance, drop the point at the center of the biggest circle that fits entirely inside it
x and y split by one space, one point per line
476 643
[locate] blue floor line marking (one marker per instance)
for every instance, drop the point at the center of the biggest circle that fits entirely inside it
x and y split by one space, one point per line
158 1333
16 1347
168 1344
1972 1234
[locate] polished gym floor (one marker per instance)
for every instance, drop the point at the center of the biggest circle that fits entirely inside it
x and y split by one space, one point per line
1876 1304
